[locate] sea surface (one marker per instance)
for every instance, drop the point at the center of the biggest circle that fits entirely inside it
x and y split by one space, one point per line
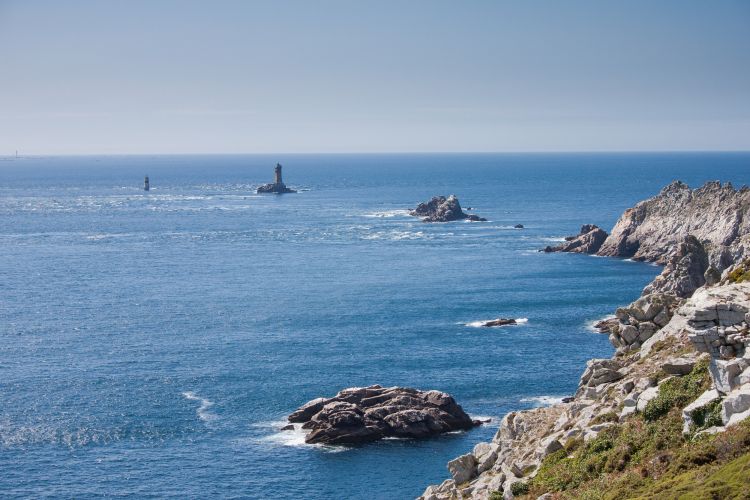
152 343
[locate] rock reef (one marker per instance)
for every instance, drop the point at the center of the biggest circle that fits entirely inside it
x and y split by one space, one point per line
589 240
500 322
365 414
442 209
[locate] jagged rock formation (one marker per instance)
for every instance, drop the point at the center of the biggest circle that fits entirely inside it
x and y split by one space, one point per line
442 209
278 186
588 241
714 214
685 271
689 316
364 414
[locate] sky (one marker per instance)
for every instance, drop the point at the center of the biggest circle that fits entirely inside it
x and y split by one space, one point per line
330 76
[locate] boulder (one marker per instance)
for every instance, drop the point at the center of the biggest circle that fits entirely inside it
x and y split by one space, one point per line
703 400
736 406
678 366
600 371
365 414
442 209
606 325
463 468
588 241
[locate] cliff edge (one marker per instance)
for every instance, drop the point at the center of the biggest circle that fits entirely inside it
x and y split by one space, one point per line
673 404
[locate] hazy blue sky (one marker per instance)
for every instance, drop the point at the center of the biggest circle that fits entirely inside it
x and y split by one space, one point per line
349 76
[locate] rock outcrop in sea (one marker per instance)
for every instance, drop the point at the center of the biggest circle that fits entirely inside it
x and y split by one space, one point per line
587 241
682 370
278 186
442 209
364 414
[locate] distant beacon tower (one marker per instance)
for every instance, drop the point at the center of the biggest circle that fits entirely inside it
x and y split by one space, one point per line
146 187
277 171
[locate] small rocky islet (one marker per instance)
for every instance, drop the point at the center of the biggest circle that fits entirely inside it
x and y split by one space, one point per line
443 209
365 414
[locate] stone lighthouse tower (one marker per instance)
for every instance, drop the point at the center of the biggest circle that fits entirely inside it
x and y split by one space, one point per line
278 185
277 171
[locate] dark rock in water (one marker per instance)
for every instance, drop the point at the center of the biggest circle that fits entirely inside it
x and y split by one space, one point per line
365 414
568 399
442 209
588 241
288 427
278 186
518 226
500 322
605 325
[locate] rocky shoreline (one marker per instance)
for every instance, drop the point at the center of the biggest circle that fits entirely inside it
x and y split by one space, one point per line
682 352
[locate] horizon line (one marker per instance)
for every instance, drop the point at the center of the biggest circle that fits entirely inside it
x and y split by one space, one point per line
374 153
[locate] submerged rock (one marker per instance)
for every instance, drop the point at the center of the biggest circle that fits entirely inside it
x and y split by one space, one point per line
500 322
587 241
365 414
442 209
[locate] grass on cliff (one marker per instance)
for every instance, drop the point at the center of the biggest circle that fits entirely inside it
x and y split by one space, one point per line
741 273
649 457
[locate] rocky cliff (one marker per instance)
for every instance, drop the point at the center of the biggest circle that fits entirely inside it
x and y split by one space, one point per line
715 214
673 404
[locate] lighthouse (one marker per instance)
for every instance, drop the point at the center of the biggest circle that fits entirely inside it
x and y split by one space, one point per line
277 171
278 186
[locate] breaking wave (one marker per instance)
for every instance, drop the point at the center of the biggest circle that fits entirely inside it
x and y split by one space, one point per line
203 410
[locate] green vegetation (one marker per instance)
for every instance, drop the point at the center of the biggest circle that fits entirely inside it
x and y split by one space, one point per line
519 488
649 457
708 416
741 273
678 392
610 416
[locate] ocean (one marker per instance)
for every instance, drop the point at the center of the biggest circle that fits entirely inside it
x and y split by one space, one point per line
152 343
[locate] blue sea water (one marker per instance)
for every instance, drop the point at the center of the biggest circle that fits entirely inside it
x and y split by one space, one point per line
151 344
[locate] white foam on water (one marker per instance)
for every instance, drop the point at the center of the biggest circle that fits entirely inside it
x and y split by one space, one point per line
540 401
591 325
553 239
395 235
203 410
295 438
480 324
388 213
